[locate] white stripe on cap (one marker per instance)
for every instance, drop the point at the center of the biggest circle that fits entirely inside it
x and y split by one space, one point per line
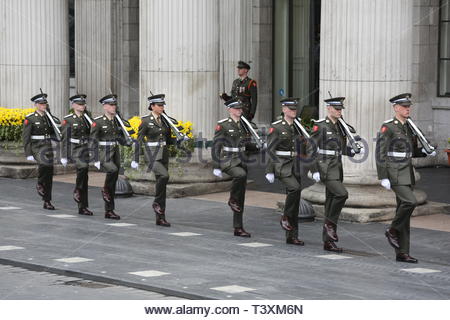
233 104
401 100
109 100
289 103
157 100
334 103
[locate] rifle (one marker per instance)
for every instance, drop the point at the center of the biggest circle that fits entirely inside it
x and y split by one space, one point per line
248 127
346 131
423 141
300 129
170 122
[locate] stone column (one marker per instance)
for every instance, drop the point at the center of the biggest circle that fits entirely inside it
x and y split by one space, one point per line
94 43
179 56
34 52
366 56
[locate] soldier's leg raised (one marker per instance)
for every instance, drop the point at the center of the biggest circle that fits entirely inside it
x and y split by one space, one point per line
291 206
336 197
237 198
401 222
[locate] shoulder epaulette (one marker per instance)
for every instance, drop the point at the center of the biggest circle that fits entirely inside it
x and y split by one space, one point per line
98 117
276 122
69 115
387 121
319 120
223 120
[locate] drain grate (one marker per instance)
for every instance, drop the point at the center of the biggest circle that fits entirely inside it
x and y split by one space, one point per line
85 284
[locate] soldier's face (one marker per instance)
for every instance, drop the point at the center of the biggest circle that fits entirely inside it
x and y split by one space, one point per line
78 107
158 108
242 72
235 112
289 113
403 111
335 113
41 106
110 108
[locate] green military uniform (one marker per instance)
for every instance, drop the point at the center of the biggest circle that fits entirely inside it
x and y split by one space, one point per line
396 146
281 144
228 154
75 132
37 140
246 91
154 136
106 135
331 144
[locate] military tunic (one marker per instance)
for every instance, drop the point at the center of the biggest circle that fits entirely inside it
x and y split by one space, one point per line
284 163
75 133
396 146
228 154
106 136
154 136
330 144
37 140
246 91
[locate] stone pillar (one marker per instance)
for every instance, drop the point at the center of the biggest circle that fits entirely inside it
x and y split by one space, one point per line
34 52
94 42
179 56
366 56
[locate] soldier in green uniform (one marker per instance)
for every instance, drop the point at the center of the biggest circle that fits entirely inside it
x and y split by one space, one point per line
106 135
396 145
244 88
331 144
154 136
228 154
282 144
37 135
75 132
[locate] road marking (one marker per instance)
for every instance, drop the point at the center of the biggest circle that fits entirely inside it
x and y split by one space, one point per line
149 273
420 270
333 257
233 289
73 260
255 244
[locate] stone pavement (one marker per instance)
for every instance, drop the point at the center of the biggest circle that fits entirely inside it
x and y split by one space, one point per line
198 257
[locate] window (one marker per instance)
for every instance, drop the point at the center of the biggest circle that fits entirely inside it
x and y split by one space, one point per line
444 49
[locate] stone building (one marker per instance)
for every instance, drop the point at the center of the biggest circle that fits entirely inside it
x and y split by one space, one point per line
366 50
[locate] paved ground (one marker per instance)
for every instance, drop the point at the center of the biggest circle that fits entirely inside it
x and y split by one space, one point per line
199 258
44 285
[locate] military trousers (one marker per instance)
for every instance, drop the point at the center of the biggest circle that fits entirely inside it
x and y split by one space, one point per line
336 195
292 203
237 193
160 169
110 163
43 154
81 159
406 203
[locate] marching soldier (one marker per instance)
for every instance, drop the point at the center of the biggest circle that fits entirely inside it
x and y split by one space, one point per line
327 167
282 143
155 135
228 154
106 135
38 131
75 132
396 145
244 89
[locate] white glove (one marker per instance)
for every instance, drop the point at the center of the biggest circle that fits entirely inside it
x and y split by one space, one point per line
316 176
31 158
433 154
270 177
386 184
97 165
64 161
134 164
217 173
